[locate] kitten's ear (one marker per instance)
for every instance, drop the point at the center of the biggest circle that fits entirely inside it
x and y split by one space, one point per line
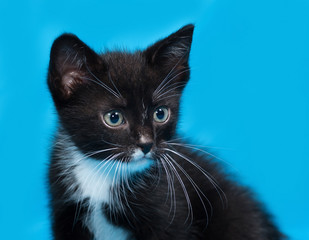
173 50
71 61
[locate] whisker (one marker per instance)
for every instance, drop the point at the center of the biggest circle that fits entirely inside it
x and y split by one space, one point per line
102 164
128 181
170 189
113 144
67 170
195 147
100 83
114 197
173 84
169 80
196 188
111 80
190 209
84 183
206 174
170 96
107 175
170 72
170 90
122 187
97 152
177 139
91 179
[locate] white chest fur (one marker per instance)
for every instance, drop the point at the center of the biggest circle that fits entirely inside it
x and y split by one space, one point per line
94 180
102 229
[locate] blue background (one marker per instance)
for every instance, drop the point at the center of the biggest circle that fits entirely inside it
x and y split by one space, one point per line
248 95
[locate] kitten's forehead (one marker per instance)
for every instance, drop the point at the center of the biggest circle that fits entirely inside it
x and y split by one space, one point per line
138 85
123 65
131 74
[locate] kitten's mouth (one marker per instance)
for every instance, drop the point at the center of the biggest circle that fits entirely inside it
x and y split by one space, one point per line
138 156
139 161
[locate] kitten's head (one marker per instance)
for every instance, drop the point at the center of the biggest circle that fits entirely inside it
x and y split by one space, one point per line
119 105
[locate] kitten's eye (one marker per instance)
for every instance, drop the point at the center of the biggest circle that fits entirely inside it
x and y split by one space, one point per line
113 118
161 114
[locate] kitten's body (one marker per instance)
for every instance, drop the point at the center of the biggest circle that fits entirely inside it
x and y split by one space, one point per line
135 180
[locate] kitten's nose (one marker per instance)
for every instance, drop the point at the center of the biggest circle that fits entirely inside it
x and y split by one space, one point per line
145 147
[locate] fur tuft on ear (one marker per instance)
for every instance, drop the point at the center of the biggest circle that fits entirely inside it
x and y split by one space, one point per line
173 49
68 66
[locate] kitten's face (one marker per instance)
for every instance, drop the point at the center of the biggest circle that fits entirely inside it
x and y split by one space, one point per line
119 105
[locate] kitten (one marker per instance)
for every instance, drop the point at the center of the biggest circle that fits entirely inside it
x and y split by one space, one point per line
117 169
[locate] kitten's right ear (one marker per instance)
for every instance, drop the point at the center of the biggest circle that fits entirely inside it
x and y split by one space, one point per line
71 61
173 50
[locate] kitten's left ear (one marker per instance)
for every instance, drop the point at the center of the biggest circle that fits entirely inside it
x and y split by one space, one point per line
172 51
71 63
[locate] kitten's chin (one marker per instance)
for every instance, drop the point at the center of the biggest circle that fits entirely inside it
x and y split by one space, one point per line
140 161
139 165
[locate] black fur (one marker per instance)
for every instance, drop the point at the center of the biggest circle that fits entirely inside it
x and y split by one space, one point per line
86 85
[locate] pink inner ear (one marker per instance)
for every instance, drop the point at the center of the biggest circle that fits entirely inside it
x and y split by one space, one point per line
70 81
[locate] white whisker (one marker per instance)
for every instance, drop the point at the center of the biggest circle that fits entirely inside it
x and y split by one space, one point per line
162 88
190 209
195 147
196 188
206 174
170 90
170 189
100 83
170 72
111 80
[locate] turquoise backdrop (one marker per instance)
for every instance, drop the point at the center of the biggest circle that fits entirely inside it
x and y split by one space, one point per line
248 95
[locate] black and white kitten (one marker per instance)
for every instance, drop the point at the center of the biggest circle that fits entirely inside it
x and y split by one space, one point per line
117 169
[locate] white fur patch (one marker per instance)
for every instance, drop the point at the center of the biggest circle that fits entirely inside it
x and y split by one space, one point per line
94 179
102 229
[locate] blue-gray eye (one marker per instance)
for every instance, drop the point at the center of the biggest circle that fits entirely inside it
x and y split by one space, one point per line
161 114
113 118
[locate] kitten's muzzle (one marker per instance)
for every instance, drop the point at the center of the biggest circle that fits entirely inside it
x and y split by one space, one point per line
145 147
